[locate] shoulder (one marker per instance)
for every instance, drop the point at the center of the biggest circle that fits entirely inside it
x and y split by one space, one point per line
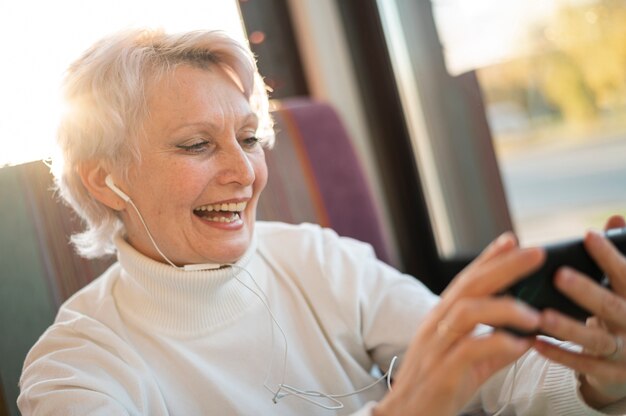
319 257
87 345
93 300
350 290
309 240
81 365
86 322
324 265
88 315
321 260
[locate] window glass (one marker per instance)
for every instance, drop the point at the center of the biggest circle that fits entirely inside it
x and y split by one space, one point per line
41 38
553 79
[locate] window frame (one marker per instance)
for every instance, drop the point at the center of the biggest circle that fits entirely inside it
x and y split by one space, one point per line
482 205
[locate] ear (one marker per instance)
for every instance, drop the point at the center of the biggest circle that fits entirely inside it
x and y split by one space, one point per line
93 175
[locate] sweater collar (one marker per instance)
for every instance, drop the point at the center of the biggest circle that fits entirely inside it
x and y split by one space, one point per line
177 302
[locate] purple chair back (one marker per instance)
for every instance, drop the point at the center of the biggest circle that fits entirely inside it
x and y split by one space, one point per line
315 175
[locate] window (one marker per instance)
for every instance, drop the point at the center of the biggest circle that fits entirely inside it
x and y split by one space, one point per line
449 133
553 78
43 38
547 79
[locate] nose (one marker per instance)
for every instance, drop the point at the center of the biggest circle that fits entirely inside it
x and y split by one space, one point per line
235 167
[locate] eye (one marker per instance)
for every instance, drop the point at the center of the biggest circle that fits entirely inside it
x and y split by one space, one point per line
250 142
197 147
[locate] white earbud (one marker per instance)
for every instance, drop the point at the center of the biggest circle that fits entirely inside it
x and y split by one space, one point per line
109 182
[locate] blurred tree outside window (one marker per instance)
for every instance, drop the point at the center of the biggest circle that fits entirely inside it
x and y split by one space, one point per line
553 78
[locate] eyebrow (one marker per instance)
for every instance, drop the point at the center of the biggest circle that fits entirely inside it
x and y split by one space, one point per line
249 118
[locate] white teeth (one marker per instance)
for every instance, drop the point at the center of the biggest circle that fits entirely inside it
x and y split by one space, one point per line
230 207
232 218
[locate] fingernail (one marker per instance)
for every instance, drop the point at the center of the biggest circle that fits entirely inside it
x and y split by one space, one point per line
530 314
549 319
565 276
535 251
503 239
593 237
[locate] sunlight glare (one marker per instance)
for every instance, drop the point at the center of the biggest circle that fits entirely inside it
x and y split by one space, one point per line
43 38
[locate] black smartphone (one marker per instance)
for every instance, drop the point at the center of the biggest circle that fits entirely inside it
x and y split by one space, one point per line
538 289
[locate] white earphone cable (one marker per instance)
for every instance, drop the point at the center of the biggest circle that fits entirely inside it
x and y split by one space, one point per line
285 390
187 267
508 400
132 204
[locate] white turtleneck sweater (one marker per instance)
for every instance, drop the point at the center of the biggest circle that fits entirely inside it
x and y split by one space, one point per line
147 339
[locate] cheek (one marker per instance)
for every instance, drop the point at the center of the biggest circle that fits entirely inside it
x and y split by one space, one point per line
260 172
186 191
177 186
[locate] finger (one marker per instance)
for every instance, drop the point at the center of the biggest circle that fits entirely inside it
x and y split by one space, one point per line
598 300
502 244
609 259
595 340
594 322
499 273
484 356
496 312
615 221
583 363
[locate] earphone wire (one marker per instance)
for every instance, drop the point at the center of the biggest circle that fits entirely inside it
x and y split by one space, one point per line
508 400
130 201
289 390
286 389
264 301
306 395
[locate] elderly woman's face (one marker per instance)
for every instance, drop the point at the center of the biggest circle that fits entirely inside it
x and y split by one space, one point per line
201 170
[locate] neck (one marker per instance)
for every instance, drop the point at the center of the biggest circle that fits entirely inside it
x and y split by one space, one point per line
181 302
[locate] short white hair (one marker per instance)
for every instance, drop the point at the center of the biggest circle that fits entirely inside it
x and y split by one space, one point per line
104 91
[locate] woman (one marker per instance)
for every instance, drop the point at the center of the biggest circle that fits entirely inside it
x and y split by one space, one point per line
209 312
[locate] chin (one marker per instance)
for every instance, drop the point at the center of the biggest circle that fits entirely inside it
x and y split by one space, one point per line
231 255
222 250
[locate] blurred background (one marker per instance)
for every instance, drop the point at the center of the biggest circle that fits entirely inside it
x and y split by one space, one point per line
553 78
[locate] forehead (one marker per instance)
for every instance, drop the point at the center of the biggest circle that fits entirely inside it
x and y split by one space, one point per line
189 93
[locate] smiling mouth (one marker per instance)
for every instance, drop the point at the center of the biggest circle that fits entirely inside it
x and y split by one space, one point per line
226 213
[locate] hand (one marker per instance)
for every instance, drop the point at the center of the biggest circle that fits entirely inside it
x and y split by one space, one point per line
446 362
602 363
